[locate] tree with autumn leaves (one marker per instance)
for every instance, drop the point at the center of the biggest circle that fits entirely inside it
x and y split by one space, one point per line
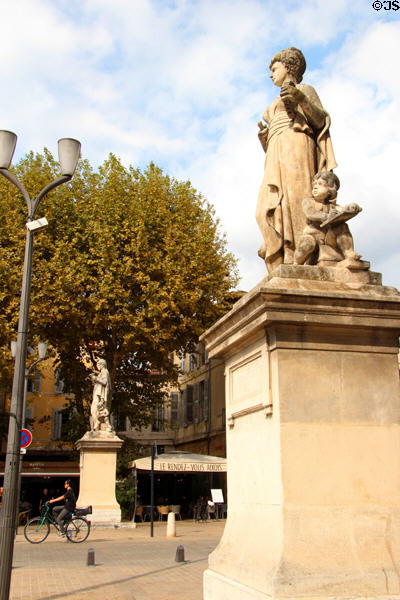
131 268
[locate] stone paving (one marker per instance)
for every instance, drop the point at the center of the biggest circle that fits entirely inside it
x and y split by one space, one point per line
128 564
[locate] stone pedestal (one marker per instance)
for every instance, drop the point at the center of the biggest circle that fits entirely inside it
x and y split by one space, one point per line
98 461
313 440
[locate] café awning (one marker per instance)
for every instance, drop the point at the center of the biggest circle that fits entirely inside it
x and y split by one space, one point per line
182 462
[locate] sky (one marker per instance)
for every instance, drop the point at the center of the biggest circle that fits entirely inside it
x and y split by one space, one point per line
183 83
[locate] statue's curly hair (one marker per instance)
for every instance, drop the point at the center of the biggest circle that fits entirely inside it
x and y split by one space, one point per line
294 61
331 179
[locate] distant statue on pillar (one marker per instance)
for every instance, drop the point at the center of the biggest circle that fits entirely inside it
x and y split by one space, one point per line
101 403
98 454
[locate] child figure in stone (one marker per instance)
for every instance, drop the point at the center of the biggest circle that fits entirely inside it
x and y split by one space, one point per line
326 239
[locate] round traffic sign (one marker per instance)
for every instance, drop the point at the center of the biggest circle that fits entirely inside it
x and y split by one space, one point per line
26 438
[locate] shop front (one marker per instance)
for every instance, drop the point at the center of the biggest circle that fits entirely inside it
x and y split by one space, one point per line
180 479
40 474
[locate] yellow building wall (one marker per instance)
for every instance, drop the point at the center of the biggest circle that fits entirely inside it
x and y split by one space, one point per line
40 406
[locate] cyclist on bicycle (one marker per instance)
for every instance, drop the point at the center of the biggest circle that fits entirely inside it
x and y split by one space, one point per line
60 512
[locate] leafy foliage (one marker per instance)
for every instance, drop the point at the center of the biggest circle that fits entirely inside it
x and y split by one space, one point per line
131 268
125 493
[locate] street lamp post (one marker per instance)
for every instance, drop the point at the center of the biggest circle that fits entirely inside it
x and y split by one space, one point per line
68 152
42 352
153 456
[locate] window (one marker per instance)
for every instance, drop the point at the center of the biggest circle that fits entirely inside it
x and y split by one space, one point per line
192 361
59 385
187 405
174 400
182 363
59 420
33 384
158 423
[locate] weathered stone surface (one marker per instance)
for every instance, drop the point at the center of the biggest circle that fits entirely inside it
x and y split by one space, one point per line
361 279
101 403
326 240
296 141
313 414
98 461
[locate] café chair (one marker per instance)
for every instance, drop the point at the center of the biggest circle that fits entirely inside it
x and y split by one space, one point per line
162 510
176 509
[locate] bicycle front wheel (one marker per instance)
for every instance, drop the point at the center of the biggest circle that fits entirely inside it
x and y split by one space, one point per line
77 530
36 530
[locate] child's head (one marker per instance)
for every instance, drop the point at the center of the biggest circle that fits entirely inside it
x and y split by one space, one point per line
325 186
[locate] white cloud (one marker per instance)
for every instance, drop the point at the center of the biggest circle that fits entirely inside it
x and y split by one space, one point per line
361 91
184 83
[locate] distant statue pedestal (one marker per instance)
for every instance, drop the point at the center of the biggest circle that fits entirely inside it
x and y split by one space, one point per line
313 439
98 460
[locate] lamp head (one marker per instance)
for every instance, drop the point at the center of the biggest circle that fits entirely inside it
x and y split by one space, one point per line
42 349
7 147
68 155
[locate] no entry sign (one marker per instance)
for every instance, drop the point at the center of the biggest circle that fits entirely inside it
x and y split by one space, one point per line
26 438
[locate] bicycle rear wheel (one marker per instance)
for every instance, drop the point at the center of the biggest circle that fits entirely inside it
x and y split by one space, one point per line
77 530
36 530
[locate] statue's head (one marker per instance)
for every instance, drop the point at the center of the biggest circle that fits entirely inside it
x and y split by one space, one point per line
101 364
294 61
332 183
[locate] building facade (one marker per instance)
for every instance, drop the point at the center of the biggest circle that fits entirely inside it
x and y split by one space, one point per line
49 460
191 420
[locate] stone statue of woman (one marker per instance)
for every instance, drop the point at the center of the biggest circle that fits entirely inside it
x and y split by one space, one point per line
297 144
101 403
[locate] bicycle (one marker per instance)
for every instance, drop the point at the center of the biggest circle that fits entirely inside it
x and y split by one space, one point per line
77 528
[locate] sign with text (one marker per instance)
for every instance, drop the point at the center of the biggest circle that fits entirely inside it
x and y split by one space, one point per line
217 496
182 462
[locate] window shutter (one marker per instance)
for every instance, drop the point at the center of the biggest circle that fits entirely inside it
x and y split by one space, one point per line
184 412
58 383
205 399
189 404
56 424
196 403
174 399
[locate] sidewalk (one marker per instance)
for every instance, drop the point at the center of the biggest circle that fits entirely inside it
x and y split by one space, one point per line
129 564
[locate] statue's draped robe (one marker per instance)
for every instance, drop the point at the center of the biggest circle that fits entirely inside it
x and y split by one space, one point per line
101 394
294 154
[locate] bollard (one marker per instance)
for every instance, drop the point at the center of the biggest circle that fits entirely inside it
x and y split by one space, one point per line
180 554
171 527
90 558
